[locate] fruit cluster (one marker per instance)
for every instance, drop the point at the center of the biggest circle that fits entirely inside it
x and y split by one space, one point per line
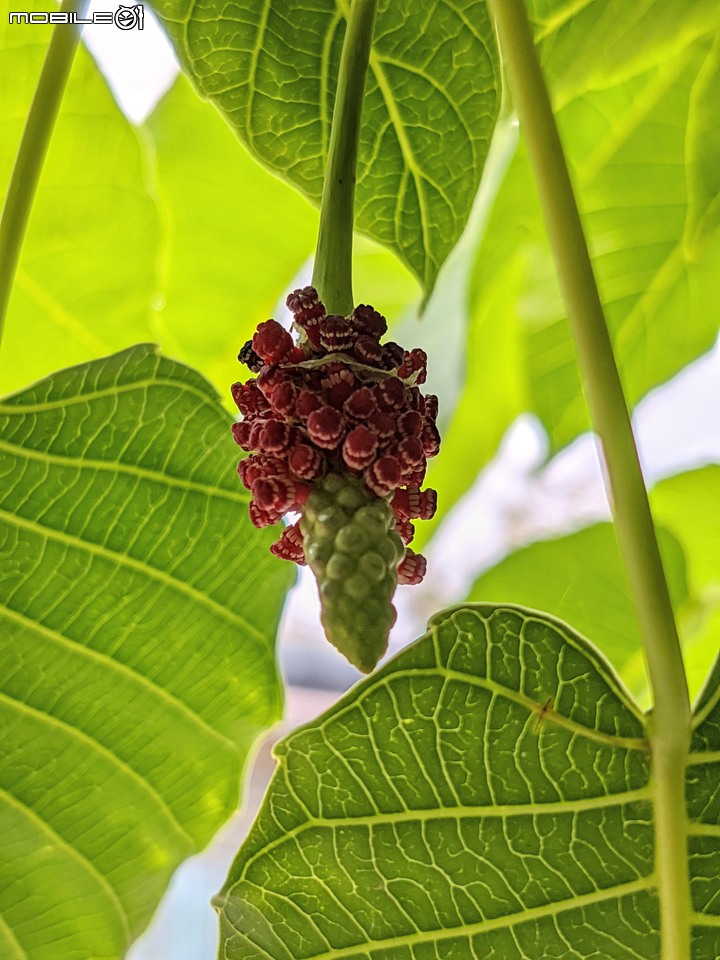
336 402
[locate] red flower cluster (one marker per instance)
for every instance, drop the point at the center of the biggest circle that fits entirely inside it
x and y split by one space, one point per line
338 400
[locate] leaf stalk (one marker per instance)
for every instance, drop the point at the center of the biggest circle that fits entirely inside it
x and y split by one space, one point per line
669 728
332 274
33 148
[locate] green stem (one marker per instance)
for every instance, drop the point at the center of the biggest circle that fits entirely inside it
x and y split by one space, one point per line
670 727
33 147
332 276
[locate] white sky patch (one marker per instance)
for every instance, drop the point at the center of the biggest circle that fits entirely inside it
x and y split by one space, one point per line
139 65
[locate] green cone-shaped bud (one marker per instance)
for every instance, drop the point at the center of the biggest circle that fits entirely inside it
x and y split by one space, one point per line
353 550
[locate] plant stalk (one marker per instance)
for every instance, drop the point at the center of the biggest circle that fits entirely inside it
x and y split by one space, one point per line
33 148
669 726
332 275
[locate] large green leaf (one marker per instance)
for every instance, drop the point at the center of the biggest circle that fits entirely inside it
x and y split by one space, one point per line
704 151
589 43
627 145
486 794
430 106
88 269
139 607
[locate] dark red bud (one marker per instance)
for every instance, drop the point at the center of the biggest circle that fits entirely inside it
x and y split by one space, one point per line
271 342
411 453
431 439
325 427
307 403
275 436
336 334
360 448
412 568
383 476
306 463
392 355
410 424
383 424
241 434
361 404
367 350
391 395
366 320
405 529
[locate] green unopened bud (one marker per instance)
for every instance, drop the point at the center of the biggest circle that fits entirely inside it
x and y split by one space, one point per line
353 550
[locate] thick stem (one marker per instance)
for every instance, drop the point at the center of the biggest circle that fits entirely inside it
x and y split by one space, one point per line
332 276
670 727
33 148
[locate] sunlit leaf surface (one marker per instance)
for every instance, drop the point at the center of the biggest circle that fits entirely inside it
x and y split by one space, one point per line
138 609
431 102
627 147
88 267
486 794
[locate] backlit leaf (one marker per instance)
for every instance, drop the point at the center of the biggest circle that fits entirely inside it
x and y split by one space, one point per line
138 612
487 794
88 266
430 105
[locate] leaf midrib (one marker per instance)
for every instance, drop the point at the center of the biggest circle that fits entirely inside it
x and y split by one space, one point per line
501 811
532 706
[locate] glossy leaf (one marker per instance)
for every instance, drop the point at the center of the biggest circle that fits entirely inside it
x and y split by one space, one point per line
431 102
689 505
704 826
88 267
139 607
486 794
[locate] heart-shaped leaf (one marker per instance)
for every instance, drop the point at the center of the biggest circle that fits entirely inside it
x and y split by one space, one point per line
138 610
431 101
487 793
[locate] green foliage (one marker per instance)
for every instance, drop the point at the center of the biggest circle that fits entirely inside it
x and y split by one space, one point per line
234 236
586 44
485 794
627 147
90 248
138 616
580 578
431 102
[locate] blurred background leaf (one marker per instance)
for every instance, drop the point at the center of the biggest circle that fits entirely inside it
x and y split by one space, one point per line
88 268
